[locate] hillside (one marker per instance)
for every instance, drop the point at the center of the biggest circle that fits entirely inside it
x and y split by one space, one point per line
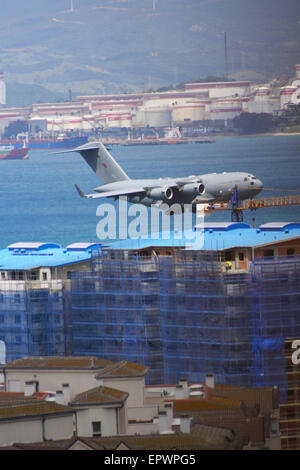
125 45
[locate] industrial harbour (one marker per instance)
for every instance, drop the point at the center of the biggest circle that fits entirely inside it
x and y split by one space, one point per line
154 335
194 114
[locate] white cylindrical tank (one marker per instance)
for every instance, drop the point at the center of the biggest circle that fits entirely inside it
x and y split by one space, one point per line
138 118
55 125
2 89
286 93
126 120
295 98
269 105
74 123
113 120
192 112
261 93
158 117
224 110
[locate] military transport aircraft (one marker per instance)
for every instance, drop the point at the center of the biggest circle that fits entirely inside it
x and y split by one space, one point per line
209 188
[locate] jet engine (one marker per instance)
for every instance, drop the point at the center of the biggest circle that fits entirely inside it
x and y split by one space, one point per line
193 189
165 194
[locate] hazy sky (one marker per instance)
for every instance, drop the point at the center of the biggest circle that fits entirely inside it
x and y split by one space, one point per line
128 41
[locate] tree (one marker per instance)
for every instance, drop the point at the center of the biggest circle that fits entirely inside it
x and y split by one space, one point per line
254 123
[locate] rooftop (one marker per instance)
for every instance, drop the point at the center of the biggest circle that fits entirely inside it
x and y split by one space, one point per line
58 362
196 441
29 255
9 398
209 236
123 369
39 408
100 395
197 405
215 236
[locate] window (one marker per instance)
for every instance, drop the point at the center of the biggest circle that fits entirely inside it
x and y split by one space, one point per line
241 256
290 251
96 428
229 256
45 277
34 276
268 253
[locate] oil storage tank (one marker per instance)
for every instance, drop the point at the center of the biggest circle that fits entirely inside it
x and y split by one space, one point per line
225 109
158 116
189 111
286 94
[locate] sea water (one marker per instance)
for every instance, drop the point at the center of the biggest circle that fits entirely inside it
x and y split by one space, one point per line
38 200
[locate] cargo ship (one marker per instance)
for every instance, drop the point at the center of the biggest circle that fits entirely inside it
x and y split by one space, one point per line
48 142
9 152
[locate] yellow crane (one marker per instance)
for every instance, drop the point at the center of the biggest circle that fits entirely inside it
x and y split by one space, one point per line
253 204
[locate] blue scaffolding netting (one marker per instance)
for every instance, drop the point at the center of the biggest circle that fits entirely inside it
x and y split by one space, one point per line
182 315
33 322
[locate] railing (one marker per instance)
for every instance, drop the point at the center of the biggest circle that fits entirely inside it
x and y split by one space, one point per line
12 285
253 204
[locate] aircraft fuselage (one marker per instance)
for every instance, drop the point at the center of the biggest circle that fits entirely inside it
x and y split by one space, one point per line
216 187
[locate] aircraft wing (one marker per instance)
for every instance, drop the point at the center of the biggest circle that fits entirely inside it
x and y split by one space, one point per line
190 179
104 194
125 192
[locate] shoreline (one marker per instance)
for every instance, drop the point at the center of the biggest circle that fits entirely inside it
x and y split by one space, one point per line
265 134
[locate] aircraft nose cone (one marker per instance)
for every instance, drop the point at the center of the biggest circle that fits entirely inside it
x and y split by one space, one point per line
260 185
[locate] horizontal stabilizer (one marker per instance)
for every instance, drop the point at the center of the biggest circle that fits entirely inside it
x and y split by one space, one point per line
81 193
88 146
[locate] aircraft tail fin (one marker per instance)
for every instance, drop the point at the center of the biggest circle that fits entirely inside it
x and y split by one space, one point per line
101 162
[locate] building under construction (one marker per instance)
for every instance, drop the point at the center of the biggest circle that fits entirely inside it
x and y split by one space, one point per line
186 312
183 308
35 297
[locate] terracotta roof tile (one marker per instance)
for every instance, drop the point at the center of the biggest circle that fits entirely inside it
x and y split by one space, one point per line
32 409
100 395
210 404
58 362
63 444
264 397
123 369
8 398
148 442
158 442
